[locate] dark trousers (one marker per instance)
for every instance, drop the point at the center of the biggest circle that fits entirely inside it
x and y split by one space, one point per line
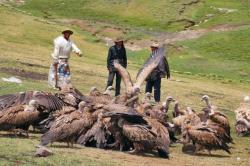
157 88
117 82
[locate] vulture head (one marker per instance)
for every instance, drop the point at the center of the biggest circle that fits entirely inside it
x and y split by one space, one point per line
109 90
169 99
81 106
93 90
205 98
148 96
32 106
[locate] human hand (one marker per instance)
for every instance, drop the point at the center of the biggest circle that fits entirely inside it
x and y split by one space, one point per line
79 54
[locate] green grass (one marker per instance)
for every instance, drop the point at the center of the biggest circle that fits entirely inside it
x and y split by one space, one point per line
240 15
224 55
28 39
153 15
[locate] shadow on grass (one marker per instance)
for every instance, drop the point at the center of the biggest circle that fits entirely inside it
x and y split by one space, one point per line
152 154
212 155
17 136
64 146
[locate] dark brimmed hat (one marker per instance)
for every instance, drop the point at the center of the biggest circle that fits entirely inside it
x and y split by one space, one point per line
67 31
118 39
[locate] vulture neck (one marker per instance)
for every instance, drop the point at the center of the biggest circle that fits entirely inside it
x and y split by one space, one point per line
176 109
208 103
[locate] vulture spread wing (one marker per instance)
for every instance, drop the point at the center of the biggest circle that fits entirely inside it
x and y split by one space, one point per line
10 100
48 101
125 77
149 66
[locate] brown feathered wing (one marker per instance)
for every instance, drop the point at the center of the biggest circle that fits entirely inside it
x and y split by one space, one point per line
151 63
125 77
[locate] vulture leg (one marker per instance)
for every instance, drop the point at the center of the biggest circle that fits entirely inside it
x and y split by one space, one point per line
20 132
137 148
118 142
209 152
72 143
68 144
198 148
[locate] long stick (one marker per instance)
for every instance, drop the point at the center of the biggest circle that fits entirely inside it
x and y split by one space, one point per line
55 73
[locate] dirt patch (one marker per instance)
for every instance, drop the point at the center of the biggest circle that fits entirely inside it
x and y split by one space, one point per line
33 65
23 73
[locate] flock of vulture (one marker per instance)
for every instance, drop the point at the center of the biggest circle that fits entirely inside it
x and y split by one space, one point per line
126 122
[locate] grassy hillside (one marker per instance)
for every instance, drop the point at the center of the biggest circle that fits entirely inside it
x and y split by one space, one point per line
154 15
222 56
26 44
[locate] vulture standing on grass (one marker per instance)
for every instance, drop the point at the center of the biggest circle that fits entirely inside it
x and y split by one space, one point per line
242 113
146 134
72 125
190 116
215 117
18 118
204 137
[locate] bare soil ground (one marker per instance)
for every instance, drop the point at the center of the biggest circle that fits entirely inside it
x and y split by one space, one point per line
24 73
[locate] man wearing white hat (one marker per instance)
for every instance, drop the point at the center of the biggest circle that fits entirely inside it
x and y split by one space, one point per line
116 52
154 79
59 73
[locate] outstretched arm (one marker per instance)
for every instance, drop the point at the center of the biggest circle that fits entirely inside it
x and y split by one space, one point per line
76 49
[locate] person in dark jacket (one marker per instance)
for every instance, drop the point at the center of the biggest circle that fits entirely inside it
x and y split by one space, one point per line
116 52
154 79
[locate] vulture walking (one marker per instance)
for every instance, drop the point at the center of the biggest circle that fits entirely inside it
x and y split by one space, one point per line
211 116
146 134
204 137
72 125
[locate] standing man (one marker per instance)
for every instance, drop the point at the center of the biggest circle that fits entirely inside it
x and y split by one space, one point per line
154 79
116 52
59 73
